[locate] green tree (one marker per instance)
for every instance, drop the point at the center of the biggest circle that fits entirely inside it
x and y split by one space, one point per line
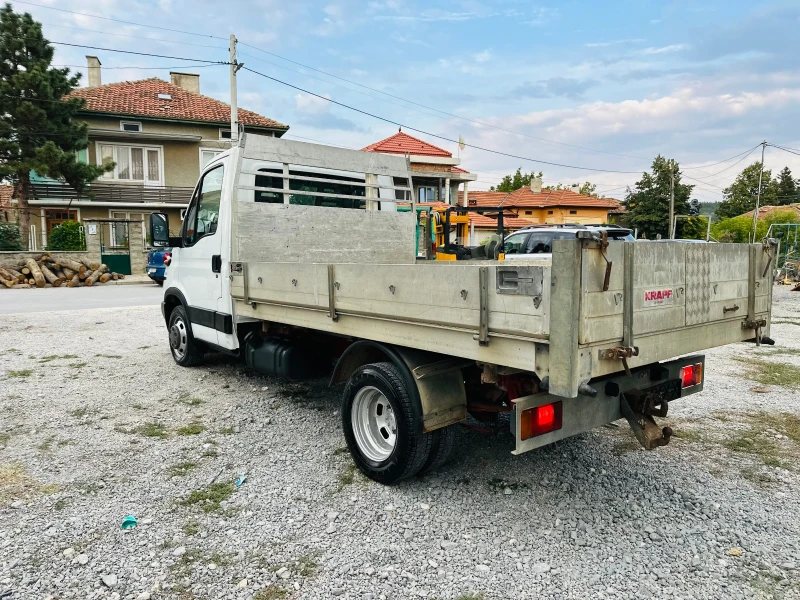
648 203
587 189
37 130
740 196
740 229
788 191
518 180
9 237
66 236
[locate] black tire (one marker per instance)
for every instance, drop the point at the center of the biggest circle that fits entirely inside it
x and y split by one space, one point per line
412 448
180 335
444 442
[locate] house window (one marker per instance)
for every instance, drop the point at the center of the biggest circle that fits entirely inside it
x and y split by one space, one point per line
528 212
224 134
130 126
573 212
54 217
207 155
549 212
119 232
132 163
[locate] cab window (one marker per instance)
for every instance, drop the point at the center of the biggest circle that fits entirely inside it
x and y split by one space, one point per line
203 215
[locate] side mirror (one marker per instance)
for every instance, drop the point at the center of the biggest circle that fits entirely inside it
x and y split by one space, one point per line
159 229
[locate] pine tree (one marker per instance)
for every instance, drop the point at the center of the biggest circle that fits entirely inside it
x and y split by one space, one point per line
788 191
740 196
37 130
648 203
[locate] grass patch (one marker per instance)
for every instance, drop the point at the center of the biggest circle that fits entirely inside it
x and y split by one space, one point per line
191 429
138 406
209 498
771 373
347 475
181 469
339 451
189 400
153 430
307 565
77 365
626 446
4 439
478 596
143 347
82 412
60 504
21 374
52 357
781 351
270 593
191 528
226 430
107 356
14 482
47 445
210 453
759 441
690 435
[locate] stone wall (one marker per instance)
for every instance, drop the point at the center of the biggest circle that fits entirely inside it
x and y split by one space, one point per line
16 257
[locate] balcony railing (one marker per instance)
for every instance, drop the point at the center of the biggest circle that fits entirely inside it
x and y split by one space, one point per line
106 192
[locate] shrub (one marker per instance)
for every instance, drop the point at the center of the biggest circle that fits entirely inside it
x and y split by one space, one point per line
66 236
10 238
740 229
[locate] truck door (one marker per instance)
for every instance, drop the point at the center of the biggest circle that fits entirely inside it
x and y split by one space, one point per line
200 257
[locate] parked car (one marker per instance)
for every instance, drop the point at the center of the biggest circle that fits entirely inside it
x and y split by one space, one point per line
156 269
539 239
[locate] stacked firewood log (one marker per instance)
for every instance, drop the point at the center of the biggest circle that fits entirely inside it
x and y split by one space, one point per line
46 271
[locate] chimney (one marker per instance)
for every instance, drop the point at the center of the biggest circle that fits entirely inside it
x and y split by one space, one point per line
186 81
574 188
93 65
536 185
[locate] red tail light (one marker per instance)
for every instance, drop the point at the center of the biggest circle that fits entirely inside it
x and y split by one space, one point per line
167 258
691 375
540 420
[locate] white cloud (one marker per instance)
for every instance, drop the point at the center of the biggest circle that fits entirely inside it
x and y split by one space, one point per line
614 43
665 49
482 57
306 103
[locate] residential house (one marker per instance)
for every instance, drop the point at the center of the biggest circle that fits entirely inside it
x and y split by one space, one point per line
436 176
533 205
159 135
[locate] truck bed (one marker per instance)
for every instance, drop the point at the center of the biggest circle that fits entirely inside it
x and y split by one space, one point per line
355 273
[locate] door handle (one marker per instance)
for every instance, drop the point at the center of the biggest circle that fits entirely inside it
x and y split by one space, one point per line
216 263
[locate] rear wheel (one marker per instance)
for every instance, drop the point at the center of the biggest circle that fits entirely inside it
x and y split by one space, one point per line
379 425
185 350
444 442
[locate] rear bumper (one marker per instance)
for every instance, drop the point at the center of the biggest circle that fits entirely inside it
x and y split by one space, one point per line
584 413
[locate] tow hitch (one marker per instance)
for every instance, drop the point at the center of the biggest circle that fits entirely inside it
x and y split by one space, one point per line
639 407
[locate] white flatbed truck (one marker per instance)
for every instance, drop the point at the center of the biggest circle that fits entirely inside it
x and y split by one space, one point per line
295 256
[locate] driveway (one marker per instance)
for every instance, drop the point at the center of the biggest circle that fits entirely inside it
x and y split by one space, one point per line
83 298
97 423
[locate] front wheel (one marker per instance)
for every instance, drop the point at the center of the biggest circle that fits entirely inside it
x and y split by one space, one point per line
185 350
379 426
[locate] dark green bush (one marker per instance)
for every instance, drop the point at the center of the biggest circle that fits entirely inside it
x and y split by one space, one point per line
66 236
10 238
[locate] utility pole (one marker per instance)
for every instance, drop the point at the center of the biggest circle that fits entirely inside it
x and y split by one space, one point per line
234 66
758 193
671 198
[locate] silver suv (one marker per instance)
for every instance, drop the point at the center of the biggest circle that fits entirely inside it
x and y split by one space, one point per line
538 239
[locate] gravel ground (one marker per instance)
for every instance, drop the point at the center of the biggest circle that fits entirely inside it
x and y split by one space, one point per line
111 427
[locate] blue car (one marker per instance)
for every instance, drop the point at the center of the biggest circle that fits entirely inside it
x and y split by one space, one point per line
156 269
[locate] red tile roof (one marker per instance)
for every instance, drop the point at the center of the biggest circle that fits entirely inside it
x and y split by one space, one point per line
458 170
763 211
140 99
524 197
402 143
483 222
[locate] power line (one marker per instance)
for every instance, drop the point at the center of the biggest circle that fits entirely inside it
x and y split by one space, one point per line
441 137
149 26
200 60
136 37
145 68
473 121
790 151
